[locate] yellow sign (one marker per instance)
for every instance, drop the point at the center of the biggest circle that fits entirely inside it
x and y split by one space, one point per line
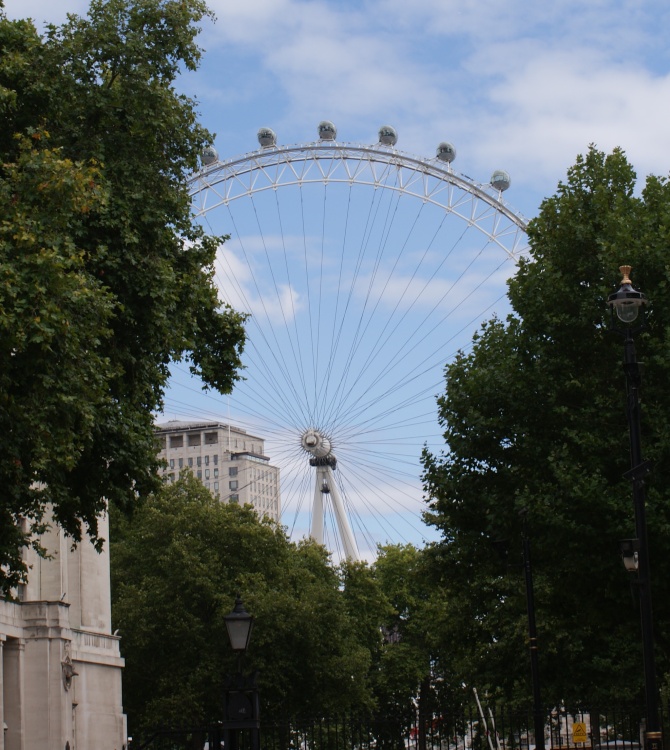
579 732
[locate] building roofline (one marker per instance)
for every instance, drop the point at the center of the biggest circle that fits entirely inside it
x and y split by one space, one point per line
176 425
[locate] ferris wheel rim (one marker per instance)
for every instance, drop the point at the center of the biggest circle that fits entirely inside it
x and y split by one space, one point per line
369 166
231 172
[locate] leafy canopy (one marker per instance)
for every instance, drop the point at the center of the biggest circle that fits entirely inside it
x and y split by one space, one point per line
176 570
105 277
534 421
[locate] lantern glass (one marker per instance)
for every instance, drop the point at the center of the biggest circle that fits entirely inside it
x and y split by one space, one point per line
627 312
239 624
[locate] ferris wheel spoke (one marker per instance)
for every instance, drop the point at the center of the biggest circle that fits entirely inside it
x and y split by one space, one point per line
363 245
379 506
399 347
335 334
383 338
261 417
363 270
274 351
369 308
299 357
279 299
406 379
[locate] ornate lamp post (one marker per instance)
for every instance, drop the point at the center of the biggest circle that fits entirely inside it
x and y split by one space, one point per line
501 549
239 624
538 713
242 705
627 302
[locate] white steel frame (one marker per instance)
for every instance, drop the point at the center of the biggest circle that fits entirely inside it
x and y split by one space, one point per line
378 166
431 180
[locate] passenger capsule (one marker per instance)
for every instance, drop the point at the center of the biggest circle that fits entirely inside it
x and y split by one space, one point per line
446 152
267 138
500 180
209 155
388 135
327 131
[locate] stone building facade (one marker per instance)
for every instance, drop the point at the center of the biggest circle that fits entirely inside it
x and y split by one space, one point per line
60 665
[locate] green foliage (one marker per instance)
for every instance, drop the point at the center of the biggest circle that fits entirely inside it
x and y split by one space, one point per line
50 311
533 419
106 279
413 670
175 572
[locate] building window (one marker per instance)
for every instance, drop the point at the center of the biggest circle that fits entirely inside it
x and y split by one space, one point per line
198 461
206 473
194 439
181 463
162 442
233 485
171 477
216 486
211 438
176 441
206 460
232 471
172 463
216 473
190 462
199 474
206 485
234 498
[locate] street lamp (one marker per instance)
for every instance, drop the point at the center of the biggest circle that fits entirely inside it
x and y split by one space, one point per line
239 624
242 704
627 303
538 713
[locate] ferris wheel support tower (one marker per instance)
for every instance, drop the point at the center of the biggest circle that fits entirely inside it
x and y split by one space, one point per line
319 447
358 269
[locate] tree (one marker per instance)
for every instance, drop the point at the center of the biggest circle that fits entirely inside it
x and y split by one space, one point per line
534 422
106 279
176 570
413 681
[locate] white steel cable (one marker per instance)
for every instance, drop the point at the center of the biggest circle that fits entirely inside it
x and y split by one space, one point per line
362 273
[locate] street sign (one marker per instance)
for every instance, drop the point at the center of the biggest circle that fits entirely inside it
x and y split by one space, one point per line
579 732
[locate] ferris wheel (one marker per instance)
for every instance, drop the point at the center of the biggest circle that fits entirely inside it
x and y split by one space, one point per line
364 270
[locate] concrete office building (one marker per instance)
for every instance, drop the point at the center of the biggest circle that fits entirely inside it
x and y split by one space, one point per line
229 461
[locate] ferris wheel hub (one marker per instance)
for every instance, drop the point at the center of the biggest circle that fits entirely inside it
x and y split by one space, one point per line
353 351
316 443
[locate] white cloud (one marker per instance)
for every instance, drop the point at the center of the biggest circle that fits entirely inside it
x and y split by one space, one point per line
43 11
557 105
519 86
254 293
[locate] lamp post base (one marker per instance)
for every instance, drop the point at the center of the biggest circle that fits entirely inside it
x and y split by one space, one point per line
653 741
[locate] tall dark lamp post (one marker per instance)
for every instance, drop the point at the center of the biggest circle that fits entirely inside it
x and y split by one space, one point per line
538 713
627 302
239 624
241 700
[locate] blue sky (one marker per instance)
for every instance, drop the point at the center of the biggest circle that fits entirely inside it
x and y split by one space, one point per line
514 85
